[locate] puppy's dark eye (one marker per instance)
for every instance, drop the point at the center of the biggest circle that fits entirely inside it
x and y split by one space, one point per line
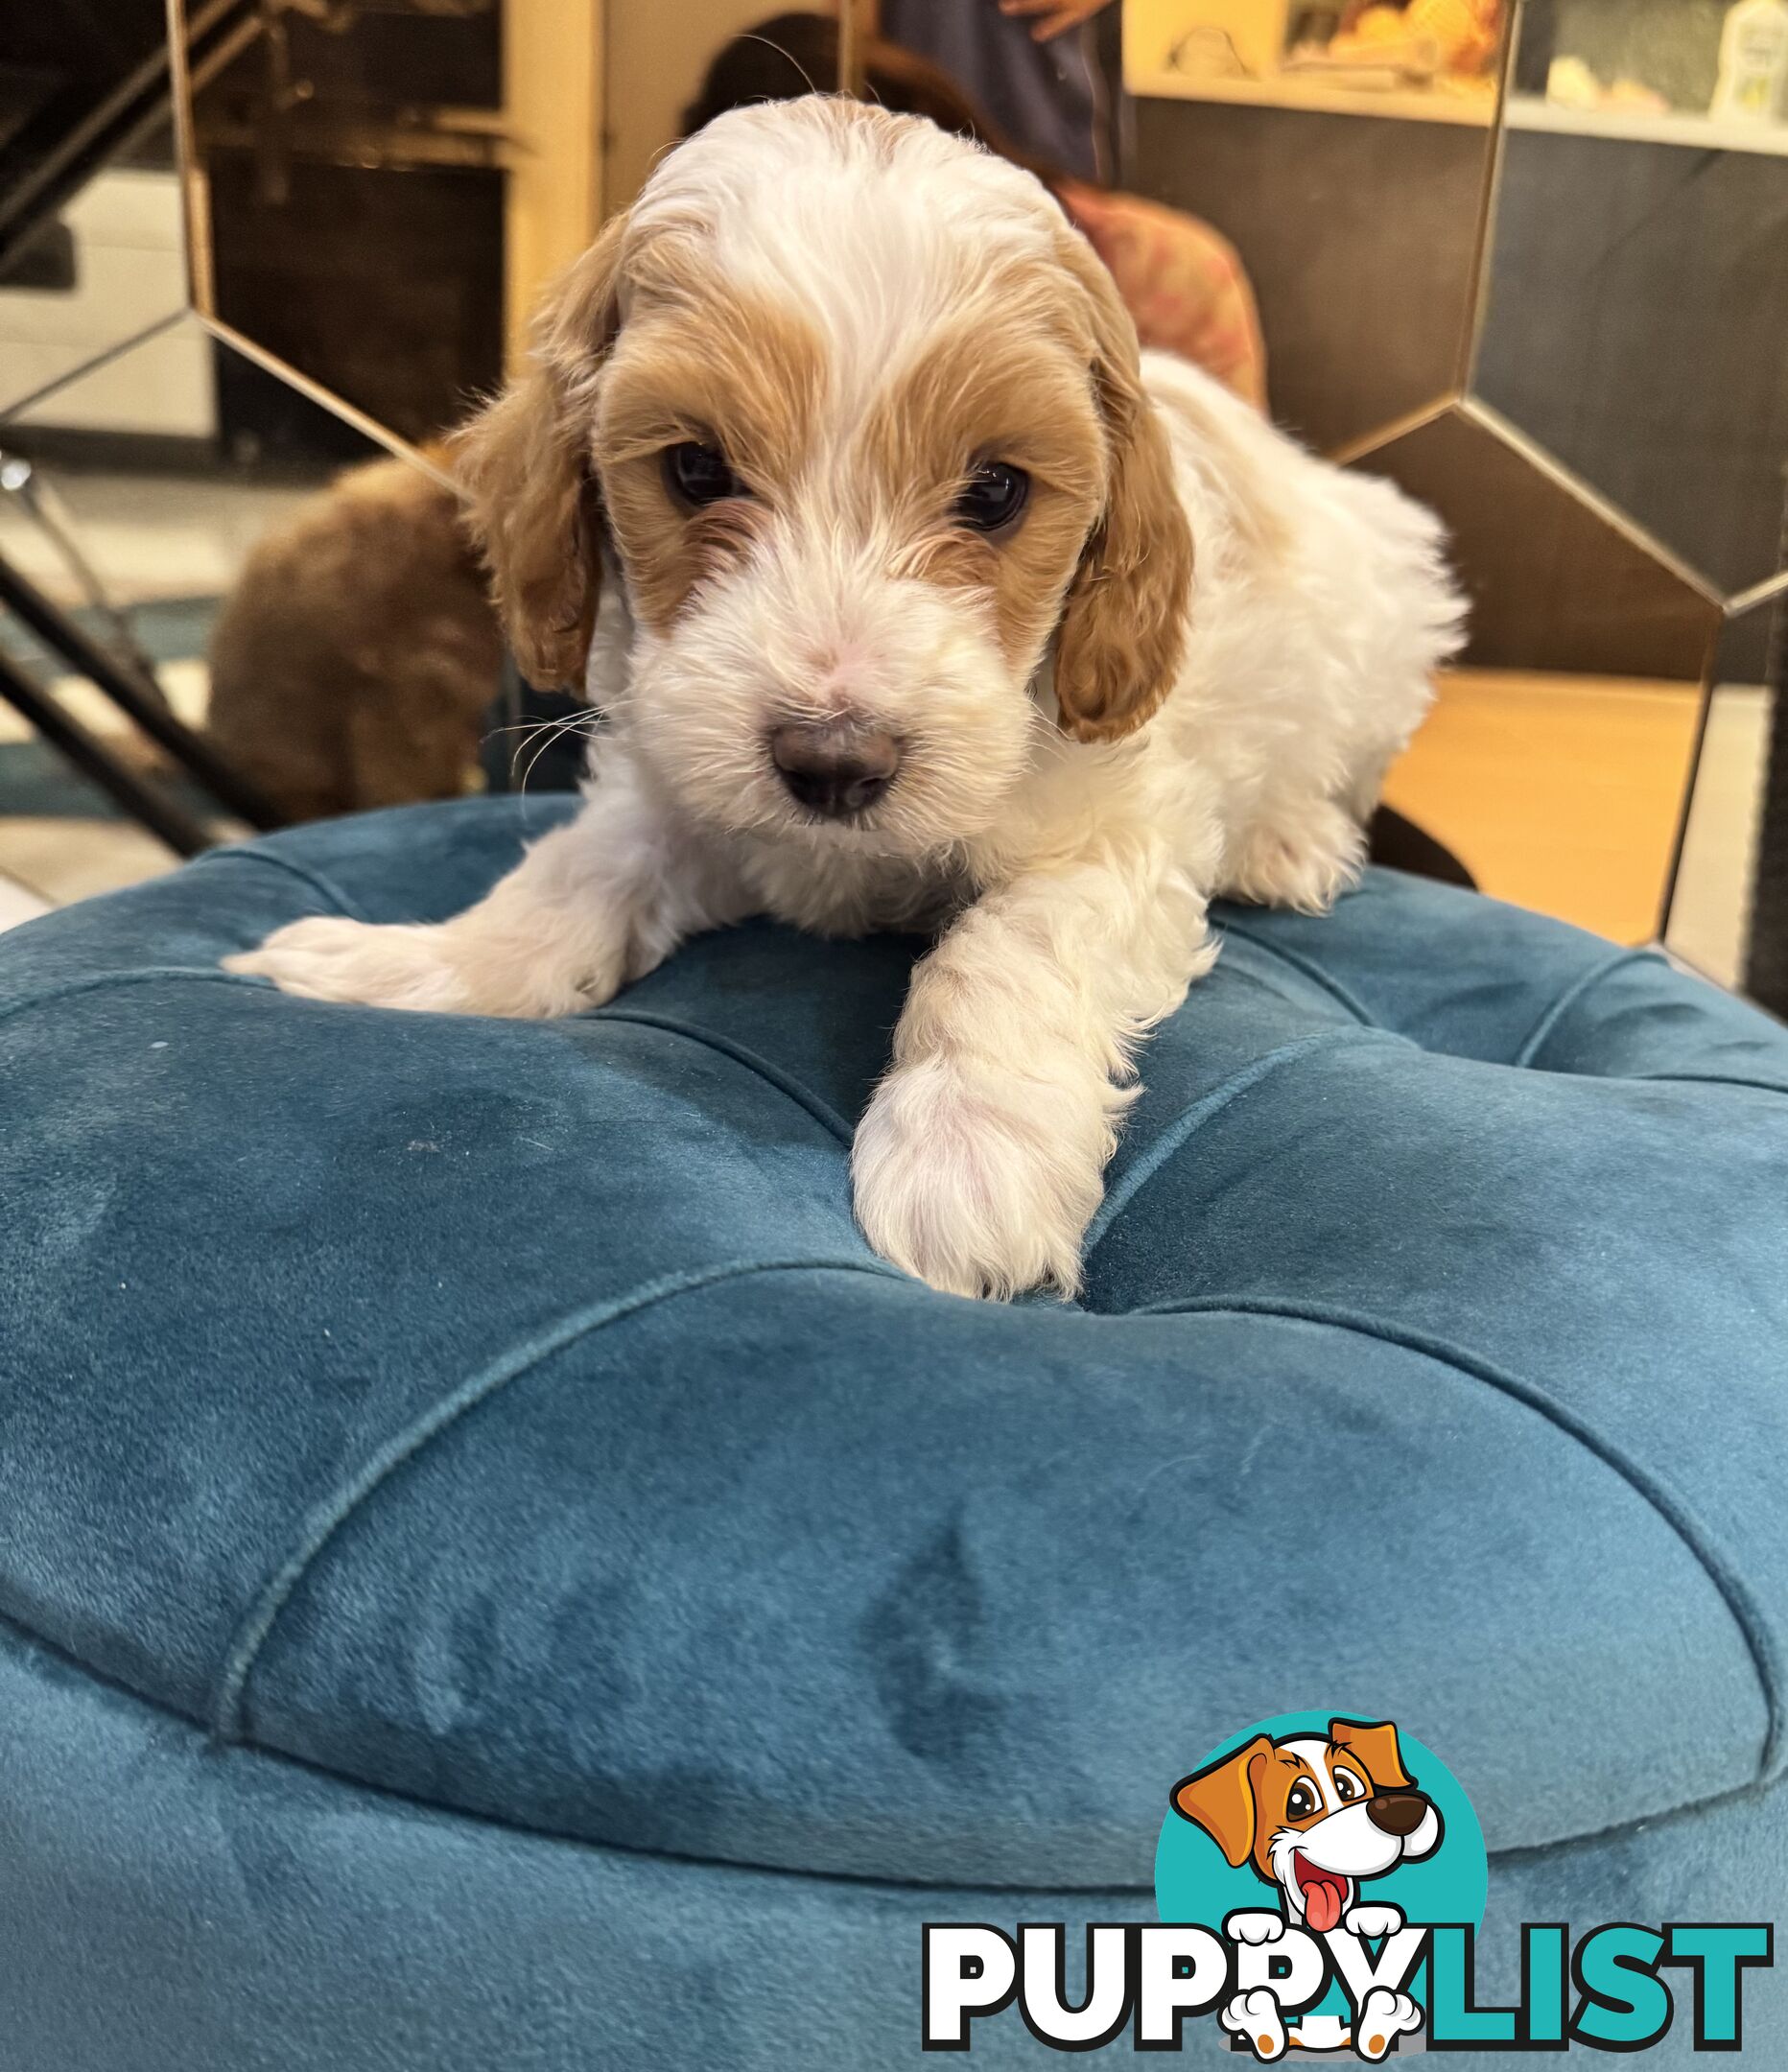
1300 1801
991 497
1347 1787
697 475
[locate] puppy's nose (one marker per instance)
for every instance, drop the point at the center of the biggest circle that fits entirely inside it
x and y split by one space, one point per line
1397 1813
835 769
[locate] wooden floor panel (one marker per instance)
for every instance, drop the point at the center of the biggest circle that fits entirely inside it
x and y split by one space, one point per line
1558 792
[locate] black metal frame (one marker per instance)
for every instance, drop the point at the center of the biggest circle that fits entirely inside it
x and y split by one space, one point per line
135 106
142 705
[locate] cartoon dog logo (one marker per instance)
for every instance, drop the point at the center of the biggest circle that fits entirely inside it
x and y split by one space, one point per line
1316 1816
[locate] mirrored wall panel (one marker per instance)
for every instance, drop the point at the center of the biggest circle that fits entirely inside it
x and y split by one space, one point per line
91 246
1558 756
1344 152
379 191
266 575
1634 319
348 195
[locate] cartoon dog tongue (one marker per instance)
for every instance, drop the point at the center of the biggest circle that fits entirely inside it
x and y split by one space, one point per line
1324 1896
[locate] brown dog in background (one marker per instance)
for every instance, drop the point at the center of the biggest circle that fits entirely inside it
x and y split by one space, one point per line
355 661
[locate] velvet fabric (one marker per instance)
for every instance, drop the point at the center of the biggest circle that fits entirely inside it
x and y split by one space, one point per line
483 1538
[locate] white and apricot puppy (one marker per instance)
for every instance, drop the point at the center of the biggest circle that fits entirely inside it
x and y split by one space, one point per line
836 478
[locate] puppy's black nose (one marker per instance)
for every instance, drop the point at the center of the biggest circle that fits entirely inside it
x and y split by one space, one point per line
1397 1813
835 769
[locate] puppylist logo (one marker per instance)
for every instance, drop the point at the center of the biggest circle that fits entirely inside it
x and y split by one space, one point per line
1320 1881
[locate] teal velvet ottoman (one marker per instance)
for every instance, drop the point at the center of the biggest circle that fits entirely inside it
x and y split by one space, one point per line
495 1574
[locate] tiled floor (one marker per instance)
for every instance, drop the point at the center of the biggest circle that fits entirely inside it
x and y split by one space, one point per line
17 905
149 536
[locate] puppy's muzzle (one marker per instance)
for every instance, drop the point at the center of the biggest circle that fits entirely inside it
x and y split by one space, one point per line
834 768
1397 1813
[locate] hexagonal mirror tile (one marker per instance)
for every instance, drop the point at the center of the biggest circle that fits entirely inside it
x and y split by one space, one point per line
92 247
380 192
1634 318
1558 755
1344 150
236 551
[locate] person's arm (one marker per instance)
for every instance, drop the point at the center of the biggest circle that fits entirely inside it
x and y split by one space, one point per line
1054 18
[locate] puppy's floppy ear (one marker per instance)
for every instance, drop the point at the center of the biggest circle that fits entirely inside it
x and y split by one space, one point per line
1125 628
1220 1798
524 466
1375 1744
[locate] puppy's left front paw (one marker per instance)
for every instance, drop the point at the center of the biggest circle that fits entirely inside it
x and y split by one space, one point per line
974 1182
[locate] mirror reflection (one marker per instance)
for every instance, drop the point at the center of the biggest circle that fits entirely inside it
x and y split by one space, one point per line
92 248
1558 756
1288 195
382 188
182 561
1344 150
1637 335
351 194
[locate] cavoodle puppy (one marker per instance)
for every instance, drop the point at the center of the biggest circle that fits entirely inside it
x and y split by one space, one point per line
914 599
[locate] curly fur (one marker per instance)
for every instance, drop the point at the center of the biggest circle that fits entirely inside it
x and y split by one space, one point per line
1094 742
352 663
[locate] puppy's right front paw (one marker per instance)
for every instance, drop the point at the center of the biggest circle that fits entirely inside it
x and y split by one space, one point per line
331 959
974 1182
451 967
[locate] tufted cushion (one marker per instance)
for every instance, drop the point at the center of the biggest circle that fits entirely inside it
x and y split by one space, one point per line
511 1417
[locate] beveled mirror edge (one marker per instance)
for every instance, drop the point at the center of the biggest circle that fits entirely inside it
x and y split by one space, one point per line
201 286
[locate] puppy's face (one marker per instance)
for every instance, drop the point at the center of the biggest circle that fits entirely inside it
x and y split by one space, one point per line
844 574
858 419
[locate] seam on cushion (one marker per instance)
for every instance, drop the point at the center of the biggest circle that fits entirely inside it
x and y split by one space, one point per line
1658 1494
256 1751
97 981
1313 971
351 909
773 1074
1185 1125
1532 1044
1699 1078
326 1518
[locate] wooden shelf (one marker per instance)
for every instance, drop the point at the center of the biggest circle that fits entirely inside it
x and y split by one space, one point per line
1472 107
1635 125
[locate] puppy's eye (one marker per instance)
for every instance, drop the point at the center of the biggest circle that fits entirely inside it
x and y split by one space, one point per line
1301 1801
697 475
991 497
1347 1787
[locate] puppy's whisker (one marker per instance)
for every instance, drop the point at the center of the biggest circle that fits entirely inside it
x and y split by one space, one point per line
533 727
551 730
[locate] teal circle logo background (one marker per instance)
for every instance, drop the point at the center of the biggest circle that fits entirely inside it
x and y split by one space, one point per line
1194 1881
